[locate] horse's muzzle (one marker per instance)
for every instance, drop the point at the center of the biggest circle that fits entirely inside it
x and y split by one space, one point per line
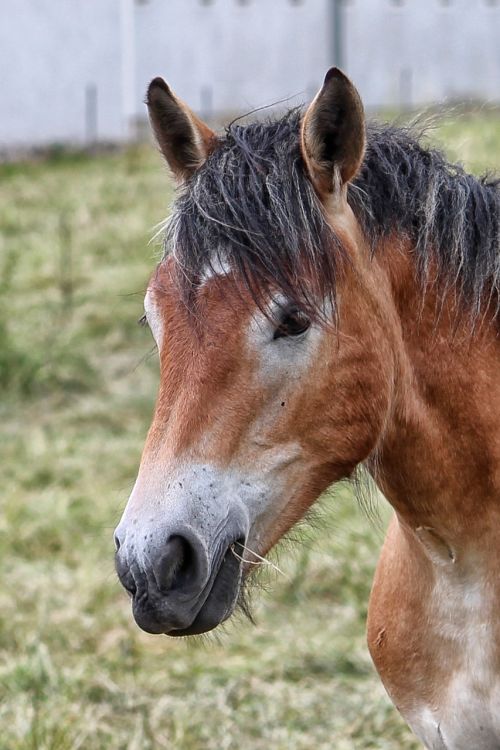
181 587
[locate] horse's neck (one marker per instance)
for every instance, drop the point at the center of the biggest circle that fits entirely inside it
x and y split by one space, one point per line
440 456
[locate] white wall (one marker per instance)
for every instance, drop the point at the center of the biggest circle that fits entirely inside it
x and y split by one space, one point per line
399 52
50 52
448 49
229 56
248 55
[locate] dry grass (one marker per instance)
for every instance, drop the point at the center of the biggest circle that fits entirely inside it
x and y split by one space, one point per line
77 393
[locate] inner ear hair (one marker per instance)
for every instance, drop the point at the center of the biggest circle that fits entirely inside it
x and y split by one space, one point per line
333 133
185 141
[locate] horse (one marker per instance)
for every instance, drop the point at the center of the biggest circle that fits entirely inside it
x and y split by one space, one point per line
328 299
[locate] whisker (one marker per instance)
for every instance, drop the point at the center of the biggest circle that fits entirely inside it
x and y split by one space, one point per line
261 560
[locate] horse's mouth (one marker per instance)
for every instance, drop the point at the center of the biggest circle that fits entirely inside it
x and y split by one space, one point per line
159 614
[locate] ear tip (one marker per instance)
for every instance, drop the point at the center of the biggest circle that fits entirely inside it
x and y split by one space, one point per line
157 84
335 73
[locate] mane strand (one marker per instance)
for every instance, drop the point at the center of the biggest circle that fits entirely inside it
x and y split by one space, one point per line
252 207
451 217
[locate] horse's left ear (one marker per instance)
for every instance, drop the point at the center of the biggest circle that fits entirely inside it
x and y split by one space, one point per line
185 141
333 133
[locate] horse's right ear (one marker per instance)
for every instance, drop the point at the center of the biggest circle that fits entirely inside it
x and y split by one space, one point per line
185 141
333 133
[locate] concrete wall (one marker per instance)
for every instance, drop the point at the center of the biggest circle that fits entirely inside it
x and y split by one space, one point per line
63 59
421 51
60 60
230 56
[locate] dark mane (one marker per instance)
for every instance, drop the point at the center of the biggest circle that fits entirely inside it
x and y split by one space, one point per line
252 206
451 217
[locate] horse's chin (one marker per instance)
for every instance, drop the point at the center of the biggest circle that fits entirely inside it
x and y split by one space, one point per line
217 607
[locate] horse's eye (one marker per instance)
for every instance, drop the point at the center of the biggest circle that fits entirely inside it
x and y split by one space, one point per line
293 322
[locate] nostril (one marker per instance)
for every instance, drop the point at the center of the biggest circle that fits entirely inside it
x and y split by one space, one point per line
116 541
237 550
176 566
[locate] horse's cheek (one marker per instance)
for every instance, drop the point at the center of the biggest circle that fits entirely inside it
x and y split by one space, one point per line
344 423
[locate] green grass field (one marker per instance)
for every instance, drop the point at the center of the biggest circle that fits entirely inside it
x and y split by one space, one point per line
77 384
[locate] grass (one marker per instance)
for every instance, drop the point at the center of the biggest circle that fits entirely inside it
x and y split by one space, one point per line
78 385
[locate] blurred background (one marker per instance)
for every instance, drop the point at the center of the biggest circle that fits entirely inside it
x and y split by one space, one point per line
81 190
